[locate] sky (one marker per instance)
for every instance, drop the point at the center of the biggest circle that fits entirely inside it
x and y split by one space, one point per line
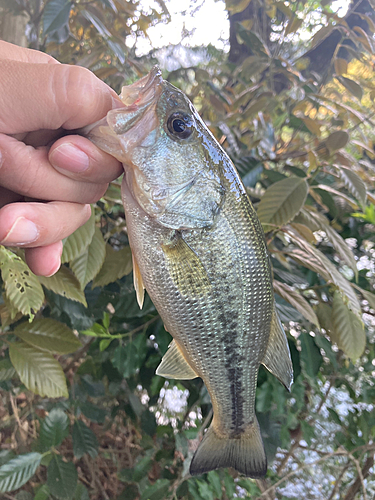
209 24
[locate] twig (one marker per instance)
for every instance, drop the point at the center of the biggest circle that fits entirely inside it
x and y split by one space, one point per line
337 482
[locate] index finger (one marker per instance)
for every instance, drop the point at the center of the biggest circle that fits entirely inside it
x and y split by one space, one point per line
15 53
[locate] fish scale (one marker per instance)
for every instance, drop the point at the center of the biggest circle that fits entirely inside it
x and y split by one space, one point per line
199 251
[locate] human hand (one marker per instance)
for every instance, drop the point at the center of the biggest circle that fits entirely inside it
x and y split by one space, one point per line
47 181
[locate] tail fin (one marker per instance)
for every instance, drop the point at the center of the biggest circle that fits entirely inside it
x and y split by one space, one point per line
245 453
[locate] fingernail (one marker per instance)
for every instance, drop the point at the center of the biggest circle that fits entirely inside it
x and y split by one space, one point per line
68 157
21 233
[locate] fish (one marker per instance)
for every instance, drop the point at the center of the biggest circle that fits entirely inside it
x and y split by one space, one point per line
200 253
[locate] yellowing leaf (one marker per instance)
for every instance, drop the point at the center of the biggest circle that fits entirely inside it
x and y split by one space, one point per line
116 265
337 140
49 335
237 6
341 66
352 86
22 287
38 370
87 265
64 283
76 243
312 125
347 329
282 201
296 300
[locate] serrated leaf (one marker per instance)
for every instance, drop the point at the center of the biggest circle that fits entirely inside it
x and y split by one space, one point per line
352 86
116 265
341 66
282 201
54 429
87 265
369 296
18 471
38 370
48 335
353 183
43 493
55 15
64 283
62 478
157 491
84 440
337 140
76 243
348 330
7 370
22 287
296 300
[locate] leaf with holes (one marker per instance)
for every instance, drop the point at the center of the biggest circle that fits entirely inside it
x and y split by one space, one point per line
48 335
282 201
38 370
64 283
348 330
87 265
84 440
296 300
62 478
54 429
353 183
18 471
22 287
117 264
76 243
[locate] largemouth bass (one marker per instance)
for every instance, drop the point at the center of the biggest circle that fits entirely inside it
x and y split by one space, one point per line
199 251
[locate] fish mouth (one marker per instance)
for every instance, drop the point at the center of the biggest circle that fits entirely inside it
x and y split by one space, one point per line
143 91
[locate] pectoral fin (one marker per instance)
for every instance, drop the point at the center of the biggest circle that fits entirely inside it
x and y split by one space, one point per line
277 358
185 268
138 282
174 365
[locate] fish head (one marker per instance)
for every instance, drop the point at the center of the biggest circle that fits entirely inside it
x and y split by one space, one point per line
172 162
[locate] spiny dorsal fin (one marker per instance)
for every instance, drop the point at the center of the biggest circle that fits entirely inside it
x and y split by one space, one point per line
277 358
138 283
174 365
186 269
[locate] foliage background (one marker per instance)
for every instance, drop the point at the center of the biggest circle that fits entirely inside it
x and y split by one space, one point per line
83 414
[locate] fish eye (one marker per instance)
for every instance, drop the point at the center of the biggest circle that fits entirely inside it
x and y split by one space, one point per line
180 125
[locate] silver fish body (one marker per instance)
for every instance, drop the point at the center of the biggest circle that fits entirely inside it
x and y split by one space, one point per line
199 251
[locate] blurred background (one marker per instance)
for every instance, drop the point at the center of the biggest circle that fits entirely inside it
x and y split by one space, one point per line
288 89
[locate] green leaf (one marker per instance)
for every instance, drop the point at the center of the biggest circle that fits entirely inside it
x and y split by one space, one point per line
54 429
81 492
21 286
76 243
116 265
7 370
214 479
282 201
84 440
64 283
87 265
48 335
18 471
337 140
62 478
157 491
43 493
56 15
352 86
297 301
348 330
353 183
125 359
311 359
38 370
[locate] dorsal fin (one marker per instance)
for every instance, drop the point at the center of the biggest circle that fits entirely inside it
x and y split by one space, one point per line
138 282
277 358
174 364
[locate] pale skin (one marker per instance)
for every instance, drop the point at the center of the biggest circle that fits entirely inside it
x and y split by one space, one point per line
47 182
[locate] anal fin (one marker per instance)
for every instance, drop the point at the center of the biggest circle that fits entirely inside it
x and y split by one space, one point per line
138 282
277 358
174 364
